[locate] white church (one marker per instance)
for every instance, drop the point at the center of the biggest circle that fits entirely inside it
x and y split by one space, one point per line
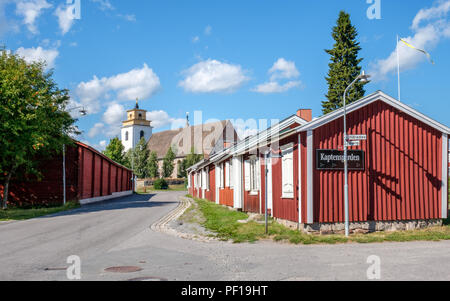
135 127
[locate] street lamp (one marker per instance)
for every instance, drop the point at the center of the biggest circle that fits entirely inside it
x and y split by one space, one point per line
363 78
83 112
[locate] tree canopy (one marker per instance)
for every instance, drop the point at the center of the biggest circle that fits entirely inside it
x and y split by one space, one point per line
168 163
33 120
115 151
344 66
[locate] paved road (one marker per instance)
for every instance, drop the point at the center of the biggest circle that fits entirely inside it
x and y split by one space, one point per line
117 233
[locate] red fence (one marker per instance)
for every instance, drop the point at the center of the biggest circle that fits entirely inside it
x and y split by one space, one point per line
89 174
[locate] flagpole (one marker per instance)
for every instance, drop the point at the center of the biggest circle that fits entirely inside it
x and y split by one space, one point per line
398 71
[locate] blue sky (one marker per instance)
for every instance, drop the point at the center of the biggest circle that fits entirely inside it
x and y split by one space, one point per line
240 60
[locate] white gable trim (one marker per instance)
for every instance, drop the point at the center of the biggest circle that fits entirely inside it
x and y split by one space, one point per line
368 100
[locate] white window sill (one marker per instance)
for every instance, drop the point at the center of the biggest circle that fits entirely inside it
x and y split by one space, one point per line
254 192
287 196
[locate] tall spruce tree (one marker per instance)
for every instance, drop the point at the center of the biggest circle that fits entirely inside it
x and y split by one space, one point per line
168 163
152 165
344 65
140 157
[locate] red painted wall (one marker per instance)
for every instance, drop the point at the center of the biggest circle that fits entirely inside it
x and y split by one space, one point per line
285 208
211 193
251 201
402 179
226 195
88 174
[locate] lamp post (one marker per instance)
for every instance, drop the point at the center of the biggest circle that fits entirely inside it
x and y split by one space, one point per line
364 78
83 112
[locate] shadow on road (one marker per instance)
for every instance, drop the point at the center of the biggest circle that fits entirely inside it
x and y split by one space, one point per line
128 202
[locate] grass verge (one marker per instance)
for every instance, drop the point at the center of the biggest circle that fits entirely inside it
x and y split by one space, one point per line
224 222
16 214
150 189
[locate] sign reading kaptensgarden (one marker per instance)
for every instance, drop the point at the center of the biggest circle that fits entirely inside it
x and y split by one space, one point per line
328 159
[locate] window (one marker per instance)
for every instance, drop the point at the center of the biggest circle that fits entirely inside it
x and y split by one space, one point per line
287 171
207 177
230 174
140 116
221 175
252 175
142 134
126 136
227 174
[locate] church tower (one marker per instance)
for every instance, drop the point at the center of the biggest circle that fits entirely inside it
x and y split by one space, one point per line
135 127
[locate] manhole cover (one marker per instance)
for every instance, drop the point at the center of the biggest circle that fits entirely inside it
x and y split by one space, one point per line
148 279
124 269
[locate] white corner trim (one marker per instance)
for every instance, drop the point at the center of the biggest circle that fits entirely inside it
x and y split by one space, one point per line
444 176
309 179
299 192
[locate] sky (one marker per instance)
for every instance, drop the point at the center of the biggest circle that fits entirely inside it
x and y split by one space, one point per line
249 61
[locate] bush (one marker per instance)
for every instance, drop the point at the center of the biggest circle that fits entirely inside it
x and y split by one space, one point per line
160 184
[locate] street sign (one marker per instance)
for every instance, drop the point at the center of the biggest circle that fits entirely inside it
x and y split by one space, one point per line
356 137
352 143
334 159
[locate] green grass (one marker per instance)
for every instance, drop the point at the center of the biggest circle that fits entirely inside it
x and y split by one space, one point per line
224 222
150 189
24 214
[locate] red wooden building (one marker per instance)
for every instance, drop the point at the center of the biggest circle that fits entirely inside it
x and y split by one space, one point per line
398 172
90 177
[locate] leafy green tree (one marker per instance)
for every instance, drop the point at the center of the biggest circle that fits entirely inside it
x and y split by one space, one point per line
191 159
115 151
344 66
33 122
140 157
152 165
168 163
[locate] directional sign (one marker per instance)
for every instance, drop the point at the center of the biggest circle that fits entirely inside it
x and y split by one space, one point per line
357 137
353 143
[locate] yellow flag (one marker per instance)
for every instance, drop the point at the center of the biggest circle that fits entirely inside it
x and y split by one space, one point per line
421 50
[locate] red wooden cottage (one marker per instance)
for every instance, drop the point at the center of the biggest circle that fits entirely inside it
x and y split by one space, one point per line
398 174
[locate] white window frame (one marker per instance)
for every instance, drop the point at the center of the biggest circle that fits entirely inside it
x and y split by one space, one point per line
255 175
221 179
227 174
207 177
287 152
230 174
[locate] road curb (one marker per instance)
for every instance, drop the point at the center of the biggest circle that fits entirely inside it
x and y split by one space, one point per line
162 225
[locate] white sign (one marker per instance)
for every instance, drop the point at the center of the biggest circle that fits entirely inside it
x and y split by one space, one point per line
357 137
352 143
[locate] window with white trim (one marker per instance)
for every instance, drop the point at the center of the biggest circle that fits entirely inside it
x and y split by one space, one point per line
287 171
252 174
207 177
227 174
221 179
230 174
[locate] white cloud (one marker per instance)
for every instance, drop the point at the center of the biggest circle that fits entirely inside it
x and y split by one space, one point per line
283 69
114 114
96 130
65 14
208 30
426 36
104 4
39 54
195 39
137 83
213 76
245 128
161 119
275 87
31 10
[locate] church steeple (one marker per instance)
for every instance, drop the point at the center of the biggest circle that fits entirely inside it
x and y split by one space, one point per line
135 127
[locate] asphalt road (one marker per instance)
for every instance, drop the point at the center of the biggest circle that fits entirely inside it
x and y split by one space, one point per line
117 233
